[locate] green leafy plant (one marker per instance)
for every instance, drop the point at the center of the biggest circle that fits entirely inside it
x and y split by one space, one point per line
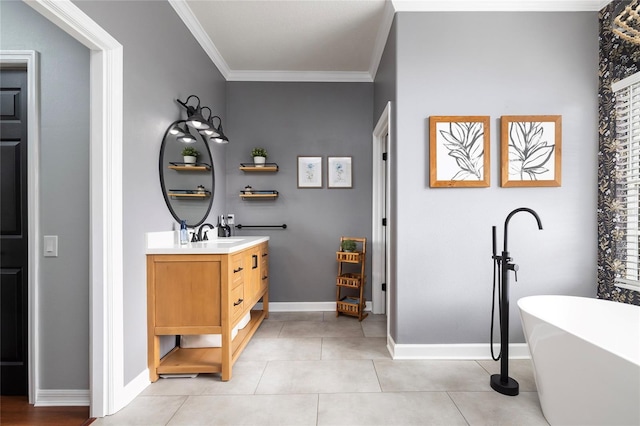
348 245
190 151
259 152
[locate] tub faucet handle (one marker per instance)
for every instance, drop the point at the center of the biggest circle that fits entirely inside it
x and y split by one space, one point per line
514 268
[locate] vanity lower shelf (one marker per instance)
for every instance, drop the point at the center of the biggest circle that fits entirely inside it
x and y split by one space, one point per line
208 360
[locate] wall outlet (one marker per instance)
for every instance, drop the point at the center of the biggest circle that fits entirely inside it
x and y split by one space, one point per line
231 218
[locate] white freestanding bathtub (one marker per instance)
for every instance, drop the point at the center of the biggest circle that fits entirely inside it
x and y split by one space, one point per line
586 359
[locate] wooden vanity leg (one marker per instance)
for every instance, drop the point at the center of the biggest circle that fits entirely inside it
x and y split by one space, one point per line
153 357
227 350
265 304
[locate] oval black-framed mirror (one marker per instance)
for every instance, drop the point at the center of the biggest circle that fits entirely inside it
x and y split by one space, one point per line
188 188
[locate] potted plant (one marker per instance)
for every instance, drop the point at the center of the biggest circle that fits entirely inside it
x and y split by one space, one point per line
348 246
259 156
190 155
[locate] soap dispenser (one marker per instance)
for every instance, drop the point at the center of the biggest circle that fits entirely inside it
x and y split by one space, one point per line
184 234
221 227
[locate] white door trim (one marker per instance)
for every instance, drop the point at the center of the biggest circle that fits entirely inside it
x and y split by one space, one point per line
29 59
106 247
377 230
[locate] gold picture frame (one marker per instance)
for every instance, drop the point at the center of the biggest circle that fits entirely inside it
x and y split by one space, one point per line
530 150
459 152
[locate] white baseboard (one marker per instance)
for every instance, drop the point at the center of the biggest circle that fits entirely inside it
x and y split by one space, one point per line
132 389
304 306
471 351
62 398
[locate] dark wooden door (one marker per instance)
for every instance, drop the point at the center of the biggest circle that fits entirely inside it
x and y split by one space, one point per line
13 233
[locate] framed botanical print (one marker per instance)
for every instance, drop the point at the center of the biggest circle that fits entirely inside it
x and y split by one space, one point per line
530 150
339 172
309 172
459 151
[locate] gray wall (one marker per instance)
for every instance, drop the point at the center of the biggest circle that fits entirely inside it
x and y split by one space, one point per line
308 119
162 62
63 293
492 64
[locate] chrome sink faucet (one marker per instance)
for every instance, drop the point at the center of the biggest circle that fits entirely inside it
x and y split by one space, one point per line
201 229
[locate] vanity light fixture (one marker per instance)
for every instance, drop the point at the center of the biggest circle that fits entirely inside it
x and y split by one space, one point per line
220 138
194 114
210 132
187 137
177 131
196 120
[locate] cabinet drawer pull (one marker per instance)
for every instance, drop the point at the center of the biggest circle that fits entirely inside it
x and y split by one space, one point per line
265 254
254 258
265 277
238 302
237 270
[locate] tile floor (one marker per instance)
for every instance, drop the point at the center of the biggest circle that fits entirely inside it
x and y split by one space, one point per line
312 368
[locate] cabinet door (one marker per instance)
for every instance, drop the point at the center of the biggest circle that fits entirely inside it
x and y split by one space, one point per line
187 292
264 266
252 275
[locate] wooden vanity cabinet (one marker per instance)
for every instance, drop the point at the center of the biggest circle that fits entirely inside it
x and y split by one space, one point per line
204 294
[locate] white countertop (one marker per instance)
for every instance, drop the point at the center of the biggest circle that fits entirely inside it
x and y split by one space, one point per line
167 243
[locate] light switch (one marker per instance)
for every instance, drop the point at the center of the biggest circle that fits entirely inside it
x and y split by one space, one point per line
50 246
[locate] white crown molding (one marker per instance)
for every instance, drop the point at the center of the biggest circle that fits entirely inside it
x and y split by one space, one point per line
381 38
391 7
193 24
497 5
302 76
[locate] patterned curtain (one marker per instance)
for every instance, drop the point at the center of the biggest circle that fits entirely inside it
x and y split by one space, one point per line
618 59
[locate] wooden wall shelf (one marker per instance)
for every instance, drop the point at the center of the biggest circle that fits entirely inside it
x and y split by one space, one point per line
259 194
250 167
206 194
198 167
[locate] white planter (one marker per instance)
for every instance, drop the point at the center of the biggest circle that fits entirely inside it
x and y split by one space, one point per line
190 160
259 161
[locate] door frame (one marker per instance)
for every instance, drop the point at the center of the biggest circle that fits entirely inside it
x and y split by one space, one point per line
379 232
28 60
106 334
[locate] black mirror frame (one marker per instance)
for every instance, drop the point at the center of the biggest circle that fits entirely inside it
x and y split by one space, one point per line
161 174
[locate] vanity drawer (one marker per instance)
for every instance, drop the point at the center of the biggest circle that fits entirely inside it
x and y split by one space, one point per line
237 302
237 267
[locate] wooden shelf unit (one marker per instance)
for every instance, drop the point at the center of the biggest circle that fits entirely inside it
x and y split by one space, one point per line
351 279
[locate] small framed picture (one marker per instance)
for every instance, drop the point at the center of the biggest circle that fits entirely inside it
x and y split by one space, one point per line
339 172
531 150
309 172
459 151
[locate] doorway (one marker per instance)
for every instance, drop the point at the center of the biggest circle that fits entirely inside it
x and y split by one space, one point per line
381 225
107 390
14 235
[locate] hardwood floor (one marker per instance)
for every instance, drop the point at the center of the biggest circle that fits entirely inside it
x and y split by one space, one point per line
16 411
